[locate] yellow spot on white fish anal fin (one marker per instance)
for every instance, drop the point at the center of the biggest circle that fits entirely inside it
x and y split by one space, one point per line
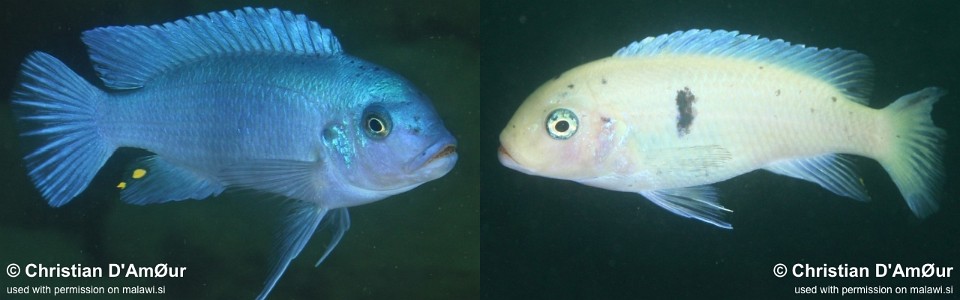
831 171
698 202
122 185
167 182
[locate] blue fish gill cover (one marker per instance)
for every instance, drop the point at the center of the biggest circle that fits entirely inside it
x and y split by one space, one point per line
232 99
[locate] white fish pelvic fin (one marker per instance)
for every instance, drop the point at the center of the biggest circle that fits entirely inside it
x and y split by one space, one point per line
913 152
698 202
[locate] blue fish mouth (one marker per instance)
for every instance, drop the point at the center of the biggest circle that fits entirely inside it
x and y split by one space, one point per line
445 149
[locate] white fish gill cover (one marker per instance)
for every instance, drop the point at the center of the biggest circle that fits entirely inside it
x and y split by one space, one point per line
126 57
848 71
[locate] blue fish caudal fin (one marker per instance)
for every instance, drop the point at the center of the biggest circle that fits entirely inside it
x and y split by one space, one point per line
913 152
56 111
302 223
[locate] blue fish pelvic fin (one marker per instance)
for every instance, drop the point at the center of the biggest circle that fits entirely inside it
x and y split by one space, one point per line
697 202
57 113
300 226
153 179
339 222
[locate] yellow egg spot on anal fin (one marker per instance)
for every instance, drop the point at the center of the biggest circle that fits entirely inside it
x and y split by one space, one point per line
122 185
139 173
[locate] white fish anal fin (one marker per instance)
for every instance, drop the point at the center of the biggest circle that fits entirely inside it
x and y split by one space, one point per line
698 202
303 222
155 180
831 171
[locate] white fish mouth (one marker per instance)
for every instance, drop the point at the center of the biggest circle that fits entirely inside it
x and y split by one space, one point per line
509 162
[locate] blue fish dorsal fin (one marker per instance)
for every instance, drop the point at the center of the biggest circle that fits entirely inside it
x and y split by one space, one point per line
849 71
126 57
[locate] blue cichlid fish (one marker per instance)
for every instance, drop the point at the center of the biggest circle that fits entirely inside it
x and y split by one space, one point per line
255 99
669 115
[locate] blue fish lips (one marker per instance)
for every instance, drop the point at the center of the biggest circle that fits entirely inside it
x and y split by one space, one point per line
436 160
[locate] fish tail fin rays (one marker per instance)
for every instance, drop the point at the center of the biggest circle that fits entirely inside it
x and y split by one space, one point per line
57 112
698 202
300 226
913 157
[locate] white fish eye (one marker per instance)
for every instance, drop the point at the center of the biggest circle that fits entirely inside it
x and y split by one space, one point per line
562 123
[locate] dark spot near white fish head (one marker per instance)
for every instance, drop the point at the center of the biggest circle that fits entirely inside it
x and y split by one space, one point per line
685 111
603 81
777 93
605 119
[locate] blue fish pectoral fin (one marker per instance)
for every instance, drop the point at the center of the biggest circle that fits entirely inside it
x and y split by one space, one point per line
155 180
291 178
698 202
146 51
831 171
303 221
339 222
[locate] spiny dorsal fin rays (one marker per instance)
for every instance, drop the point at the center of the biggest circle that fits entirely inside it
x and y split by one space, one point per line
848 71
147 51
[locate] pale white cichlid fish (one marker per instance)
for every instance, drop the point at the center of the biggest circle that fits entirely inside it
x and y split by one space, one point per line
669 115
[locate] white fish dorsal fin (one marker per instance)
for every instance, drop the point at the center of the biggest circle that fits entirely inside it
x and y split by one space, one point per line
126 57
849 71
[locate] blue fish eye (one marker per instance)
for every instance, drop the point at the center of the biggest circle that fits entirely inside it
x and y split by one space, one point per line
562 123
376 124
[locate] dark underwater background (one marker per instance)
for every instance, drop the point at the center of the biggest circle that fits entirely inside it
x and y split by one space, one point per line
484 231
549 239
423 244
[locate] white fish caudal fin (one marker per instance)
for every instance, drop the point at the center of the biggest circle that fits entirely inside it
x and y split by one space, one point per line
914 150
57 113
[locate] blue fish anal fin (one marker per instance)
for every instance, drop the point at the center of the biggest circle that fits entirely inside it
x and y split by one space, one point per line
291 178
831 171
339 222
56 113
126 57
155 180
698 202
299 227
848 71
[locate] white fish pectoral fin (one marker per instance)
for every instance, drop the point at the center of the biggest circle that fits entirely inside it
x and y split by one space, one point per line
831 171
290 178
698 202
299 227
153 179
